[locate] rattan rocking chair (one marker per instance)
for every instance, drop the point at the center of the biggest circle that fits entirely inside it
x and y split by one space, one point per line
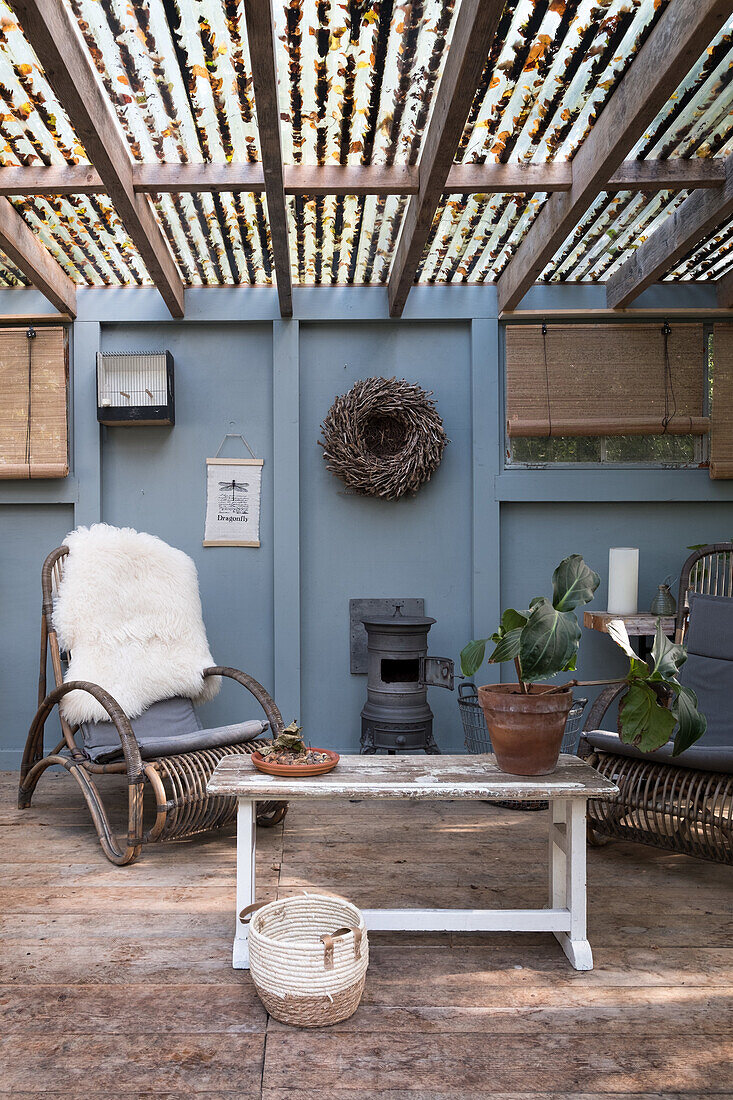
182 806
684 809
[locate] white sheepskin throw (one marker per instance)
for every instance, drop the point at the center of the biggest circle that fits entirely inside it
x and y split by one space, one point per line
129 612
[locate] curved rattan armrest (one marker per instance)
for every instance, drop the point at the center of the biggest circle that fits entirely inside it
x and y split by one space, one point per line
116 714
597 713
274 717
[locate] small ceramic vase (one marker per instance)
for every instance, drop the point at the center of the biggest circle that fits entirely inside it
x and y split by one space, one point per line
664 602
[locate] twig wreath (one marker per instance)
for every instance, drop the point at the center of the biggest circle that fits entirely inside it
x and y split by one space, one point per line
383 438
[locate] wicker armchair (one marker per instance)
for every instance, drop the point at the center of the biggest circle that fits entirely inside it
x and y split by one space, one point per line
681 808
178 783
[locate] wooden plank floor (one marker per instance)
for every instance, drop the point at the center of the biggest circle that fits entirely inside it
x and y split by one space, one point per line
116 982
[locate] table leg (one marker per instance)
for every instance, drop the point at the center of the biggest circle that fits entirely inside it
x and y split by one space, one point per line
568 877
246 838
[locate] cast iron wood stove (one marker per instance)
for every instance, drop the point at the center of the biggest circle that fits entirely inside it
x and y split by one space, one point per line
396 715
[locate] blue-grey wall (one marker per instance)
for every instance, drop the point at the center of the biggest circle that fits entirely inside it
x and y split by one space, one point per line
353 546
28 532
476 536
153 479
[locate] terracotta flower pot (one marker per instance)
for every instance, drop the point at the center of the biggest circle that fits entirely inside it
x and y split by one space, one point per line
526 731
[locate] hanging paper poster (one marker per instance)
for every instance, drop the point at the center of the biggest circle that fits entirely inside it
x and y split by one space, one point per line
233 488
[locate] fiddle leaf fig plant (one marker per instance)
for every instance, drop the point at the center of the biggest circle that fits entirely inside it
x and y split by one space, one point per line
656 702
543 641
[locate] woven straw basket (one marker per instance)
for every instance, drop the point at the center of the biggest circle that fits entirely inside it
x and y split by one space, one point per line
308 958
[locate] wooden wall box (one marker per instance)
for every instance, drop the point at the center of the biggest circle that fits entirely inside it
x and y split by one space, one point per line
135 389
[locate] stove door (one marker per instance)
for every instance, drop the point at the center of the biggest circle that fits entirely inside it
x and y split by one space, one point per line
436 672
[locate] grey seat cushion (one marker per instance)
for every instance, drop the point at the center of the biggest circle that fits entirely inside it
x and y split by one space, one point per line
699 756
165 729
708 670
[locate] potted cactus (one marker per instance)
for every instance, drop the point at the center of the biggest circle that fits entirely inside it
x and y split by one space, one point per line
526 719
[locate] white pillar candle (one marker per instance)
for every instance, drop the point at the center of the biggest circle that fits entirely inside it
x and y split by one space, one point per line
623 580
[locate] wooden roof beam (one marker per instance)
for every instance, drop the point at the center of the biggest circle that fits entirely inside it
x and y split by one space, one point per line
682 230
675 44
261 38
22 246
473 33
51 30
675 174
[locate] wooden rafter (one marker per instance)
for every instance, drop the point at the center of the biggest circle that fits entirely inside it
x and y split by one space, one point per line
682 230
261 38
474 30
22 246
49 27
675 174
674 45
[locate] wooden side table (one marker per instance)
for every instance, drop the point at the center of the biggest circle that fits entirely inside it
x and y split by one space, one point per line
642 626
637 626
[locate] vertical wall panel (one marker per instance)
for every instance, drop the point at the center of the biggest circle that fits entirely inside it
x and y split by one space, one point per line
154 479
29 532
286 516
486 442
357 546
85 430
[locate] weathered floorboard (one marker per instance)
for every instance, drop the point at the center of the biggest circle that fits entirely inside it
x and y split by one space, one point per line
118 981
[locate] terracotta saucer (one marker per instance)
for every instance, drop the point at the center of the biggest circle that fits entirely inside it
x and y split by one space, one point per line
296 770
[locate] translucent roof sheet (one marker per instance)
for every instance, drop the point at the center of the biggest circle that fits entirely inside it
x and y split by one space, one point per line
357 86
357 79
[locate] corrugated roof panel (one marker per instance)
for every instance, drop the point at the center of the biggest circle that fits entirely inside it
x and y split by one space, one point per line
616 224
178 75
710 259
85 235
473 237
697 121
34 127
536 105
218 239
555 64
10 275
357 86
358 79
343 239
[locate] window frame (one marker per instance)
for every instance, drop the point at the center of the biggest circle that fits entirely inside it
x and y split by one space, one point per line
701 457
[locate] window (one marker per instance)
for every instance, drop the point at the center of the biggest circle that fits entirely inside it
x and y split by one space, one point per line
33 418
636 450
610 394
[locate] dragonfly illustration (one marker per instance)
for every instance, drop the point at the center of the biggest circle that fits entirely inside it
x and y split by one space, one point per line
235 486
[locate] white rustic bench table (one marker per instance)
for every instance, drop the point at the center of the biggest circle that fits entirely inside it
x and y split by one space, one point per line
437 778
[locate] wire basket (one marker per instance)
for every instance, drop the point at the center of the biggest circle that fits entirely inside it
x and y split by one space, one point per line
477 739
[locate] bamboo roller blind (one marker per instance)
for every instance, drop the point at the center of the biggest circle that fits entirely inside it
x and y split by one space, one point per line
721 432
585 380
33 406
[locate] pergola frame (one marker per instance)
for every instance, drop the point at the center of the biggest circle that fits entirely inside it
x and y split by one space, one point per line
679 37
675 174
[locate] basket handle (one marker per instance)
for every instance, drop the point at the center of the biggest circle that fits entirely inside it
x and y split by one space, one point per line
328 942
248 910
466 689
